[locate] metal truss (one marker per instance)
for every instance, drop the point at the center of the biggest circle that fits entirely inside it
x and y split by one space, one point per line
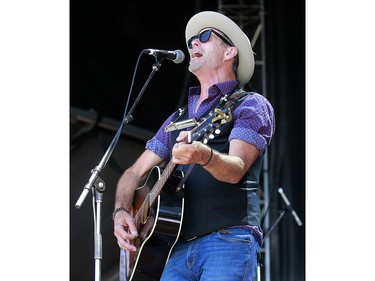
249 15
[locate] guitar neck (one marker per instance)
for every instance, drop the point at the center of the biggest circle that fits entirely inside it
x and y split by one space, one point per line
166 174
155 191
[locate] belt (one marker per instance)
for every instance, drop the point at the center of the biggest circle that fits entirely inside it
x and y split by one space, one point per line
257 236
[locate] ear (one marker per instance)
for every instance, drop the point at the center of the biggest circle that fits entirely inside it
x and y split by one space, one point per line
231 52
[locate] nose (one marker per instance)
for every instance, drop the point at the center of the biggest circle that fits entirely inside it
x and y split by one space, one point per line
195 42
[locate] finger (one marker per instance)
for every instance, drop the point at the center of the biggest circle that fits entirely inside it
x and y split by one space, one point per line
133 230
122 231
131 226
182 136
124 237
126 245
127 222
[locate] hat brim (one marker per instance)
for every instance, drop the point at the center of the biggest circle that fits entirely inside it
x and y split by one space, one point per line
233 31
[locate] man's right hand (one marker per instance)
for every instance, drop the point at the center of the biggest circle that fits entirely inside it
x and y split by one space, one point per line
125 231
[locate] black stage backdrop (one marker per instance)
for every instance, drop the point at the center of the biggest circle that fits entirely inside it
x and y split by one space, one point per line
106 38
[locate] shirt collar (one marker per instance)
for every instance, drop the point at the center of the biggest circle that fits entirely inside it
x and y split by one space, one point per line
222 88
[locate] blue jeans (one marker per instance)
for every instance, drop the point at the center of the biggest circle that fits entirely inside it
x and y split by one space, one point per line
229 254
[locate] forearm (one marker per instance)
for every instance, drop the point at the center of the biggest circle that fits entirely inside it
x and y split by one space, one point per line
133 177
225 167
126 186
229 167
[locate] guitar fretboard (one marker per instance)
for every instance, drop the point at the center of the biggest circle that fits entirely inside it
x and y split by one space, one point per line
155 191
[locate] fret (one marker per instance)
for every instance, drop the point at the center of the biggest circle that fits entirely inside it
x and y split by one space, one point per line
167 172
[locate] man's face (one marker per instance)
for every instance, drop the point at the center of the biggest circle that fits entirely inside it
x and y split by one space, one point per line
206 55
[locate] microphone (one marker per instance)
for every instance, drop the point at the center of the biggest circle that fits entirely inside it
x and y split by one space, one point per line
176 56
289 206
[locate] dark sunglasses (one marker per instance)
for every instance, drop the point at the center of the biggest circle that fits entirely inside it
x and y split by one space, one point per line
204 36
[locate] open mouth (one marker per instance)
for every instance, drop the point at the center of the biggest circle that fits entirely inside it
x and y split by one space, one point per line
196 55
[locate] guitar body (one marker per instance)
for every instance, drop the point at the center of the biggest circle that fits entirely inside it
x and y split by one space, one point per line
159 227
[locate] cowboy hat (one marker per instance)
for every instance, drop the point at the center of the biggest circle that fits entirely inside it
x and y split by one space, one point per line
233 32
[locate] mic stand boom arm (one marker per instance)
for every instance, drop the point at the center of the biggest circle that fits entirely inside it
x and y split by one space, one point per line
97 185
282 213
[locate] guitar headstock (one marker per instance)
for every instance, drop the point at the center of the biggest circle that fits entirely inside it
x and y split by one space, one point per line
210 125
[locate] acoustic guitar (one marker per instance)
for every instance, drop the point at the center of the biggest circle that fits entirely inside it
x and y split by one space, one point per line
158 209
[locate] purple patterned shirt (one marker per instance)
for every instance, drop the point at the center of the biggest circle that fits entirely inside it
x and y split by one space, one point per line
253 119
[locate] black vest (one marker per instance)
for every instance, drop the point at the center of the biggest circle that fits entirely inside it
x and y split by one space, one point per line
210 204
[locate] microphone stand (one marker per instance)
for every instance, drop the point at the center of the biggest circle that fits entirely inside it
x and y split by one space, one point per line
97 186
282 213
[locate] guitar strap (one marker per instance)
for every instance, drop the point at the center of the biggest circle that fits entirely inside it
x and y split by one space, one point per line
234 97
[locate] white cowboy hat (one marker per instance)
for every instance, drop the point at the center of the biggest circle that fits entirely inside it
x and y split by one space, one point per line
233 32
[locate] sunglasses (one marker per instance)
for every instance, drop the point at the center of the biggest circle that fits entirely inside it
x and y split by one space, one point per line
204 36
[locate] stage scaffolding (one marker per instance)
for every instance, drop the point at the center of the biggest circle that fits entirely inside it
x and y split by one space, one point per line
249 15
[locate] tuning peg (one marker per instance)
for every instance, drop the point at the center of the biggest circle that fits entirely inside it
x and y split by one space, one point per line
211 136
217 131
205 141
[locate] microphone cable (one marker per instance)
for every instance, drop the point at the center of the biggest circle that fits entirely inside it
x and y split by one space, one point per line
131 89
125 119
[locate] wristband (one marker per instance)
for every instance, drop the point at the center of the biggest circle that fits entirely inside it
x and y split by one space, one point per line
118 210
209 160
